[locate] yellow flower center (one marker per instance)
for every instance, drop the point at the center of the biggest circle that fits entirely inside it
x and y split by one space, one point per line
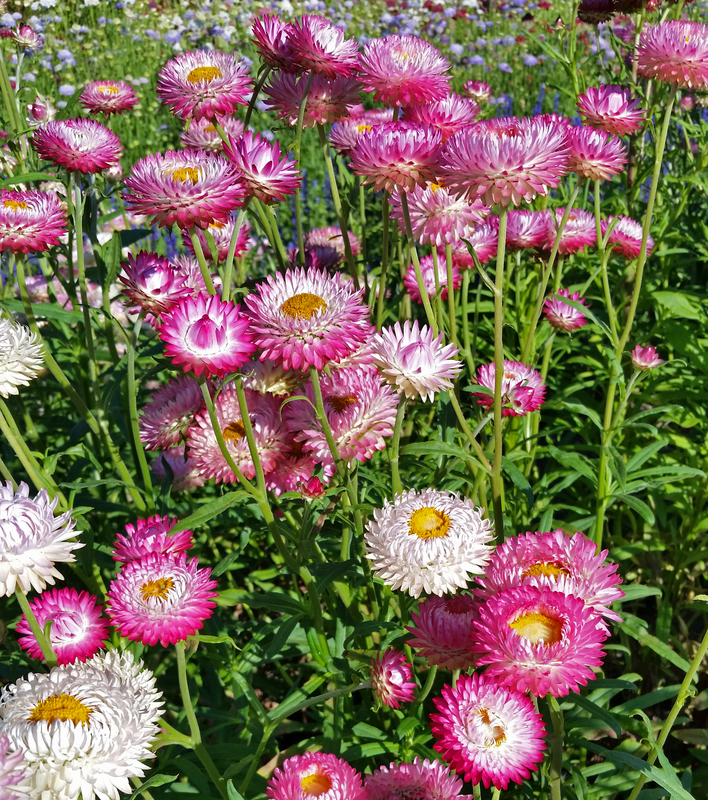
538 628
184 174
435 187
63 707
15 205
159 588
303 306
428 523
206 74
491 729
210 129
234 431
545 569
107 89
362 128
340 403
315 785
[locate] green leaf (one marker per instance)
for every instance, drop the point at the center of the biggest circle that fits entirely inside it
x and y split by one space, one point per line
251 698
635 627
578 408
647 700
574 461
636 461
637 505
518 479
48 310
232 792
273 601
209 510
636 591
131 237
439 449
678 304
587 705
26 178
156 780
288 625
364 731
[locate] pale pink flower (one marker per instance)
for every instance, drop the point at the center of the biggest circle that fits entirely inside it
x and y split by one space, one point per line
579 231
188 268
479 91
311 775
523 389
108 97
419 780
30 221
263 172
645 358
427 268
525 229
626 236
562 316
675 51
611 109
151 535
391 678
184 474
594 155
345 133
150 281
320 46
166 418
448 115
327 101
79 145
221 233
443 632
12 770
202 134
328 243
292 473
41 110
484 239
27 38
272 38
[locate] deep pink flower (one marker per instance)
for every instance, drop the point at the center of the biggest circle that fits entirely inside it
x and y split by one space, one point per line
448 115
263 172
150 281
188 267
41 110
80 145
611 109
345 133
562 316
272 38
78 627
166 418
579 231
151 535
201 134
204 83
525 229
292 473
443 632
206 335
479 91
184 474
645 358
327 100
320 46
675 51
419 780
108 97
30 221
523 389
403 70
485 241
594 155
315 775
27 38
626 236
427 268
391 678
221 233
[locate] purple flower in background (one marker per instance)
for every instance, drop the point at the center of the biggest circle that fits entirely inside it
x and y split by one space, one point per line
457 49
504 67
477 61
172 37
530 61
66 89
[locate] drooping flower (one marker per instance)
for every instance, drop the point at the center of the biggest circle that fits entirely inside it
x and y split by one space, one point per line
30 221
430 542
187 187
12 771
79 145
418 780
108 97
391 678
484 239
675 51
78 628
427 269
21 358
327 101
526 229
487 733
479 91
150 281
561 315
221 233
204 83
611 109
32 539
202 134
345 133
263 172
320 46
443 631
403 70
151 535
272 38
579 231
626 236
315 775
523 389
414 362
328 243
184 473
645 358
304 318
448 115
594 155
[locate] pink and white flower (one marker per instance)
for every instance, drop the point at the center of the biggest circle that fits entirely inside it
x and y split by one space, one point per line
611 109
166 418
443 632
594 155
108 97
221 233
151 535
263 172
150 281
320 46
185 475
675 51
391 678
523 390
30 221
328 243
525 229
427 269
418 780
479 91
327 101
315 775
645 358
202 134
272 38
579 231
12 770
626 236
79 145
484 239
345 133
448 115
562 316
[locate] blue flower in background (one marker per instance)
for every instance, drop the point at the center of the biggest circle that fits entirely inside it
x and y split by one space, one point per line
457 49
530 61
172 37
66 89
477 61
504 67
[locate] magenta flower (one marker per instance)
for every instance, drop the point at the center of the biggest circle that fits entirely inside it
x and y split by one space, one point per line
263 172
184 473
611 109
419 780
206 335
108 97
188 267
150 281
645 358
13 768
221 233
427 268
202 134
80 145
487 733
391 678
30 221
327 100
320 46
292 473
189 187
579 231
328 244
78 627
346 132
594 155
526 229
626 236
27 38
161 598
523 389
675 51
151 535
448 115
404 70
485 241
204 83
272 39
166 419
562 316
41 110
315 775
479 91
443 632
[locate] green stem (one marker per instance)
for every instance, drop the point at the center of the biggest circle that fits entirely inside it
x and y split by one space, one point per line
467 431
228 267
396 484
296 152
451 312
438 291
416 265
133 413
254 96
199 255
322 417
425 691
42 640
466 345
556 742
270 228
603 265
386 215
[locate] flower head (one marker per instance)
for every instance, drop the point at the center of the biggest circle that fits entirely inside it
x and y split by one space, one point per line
327 101
645 358
484 239
419 780
41 110
151 535
526 229
108 97
27 39
523 389
611 109
427 269
292 473
150 281
594 155
30 221
315 775
221 232
264 173
346 132
479 91
320 46
579 231
202 134
21 356
561 315
430 542
443 631
80 145
675 51
12 770
448 115
626 236
272 38
184 474
391 678
328 244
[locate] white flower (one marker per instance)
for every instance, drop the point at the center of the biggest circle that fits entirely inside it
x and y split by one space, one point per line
415 363
12 771
83 729
430 542
20 356
32 539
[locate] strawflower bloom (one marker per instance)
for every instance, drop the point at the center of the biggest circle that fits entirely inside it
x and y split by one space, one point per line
404 70
479 91
579 231
525 229
595 155
448 115
12 770
27 38
523 389
188 267
83 729
150 281
108 97
315 775
189 187
327 101
328 243
487 733
419 780
320 46
443 632
645 358
414 362
676 52
430 542
184 474
400 154
204 83
80 145
265 377
485 242
221 233
292 473
266 175
30 221
203 135
611 109
562 316
391 678
41 110
32 539
427 269
345 133
161 598
21 356
304 318
151 535
626 236
206 335
272 39
78 627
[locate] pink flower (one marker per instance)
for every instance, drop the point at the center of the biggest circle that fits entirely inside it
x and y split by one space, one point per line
151 535
525 230
443 631
345 133
391 678
206 335
202 134
27 39
328 243
487 733
523 389
579 231
161 598
327 100
505 161
403 70
540 641
675 51
204 83
264 173
645 358
184 474
189 188
78 627
399 154
315 775
485 241
166 419
30 221
448 115
419 780
108 97
221 233
292 473
479 91
611 109
41 110
80 145
562 316
626 236
150 281
272 38
13 769
187 267
304 318
320 46
427 268
594 155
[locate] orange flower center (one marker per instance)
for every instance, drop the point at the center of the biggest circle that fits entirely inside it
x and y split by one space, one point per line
15 205
315 785
428 523
107 89
234 431
490 730
538 628
63 707
340 403
206 74
185 174
159 588
303 306
545 569
210 129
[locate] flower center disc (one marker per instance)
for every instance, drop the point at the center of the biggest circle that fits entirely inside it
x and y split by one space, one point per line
159 588
15 205
457 604
62 707
485 729
315 785
234 431
362 128
108 89
538 628
429 523
340 403
206 74
303 306
545 569
185 174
